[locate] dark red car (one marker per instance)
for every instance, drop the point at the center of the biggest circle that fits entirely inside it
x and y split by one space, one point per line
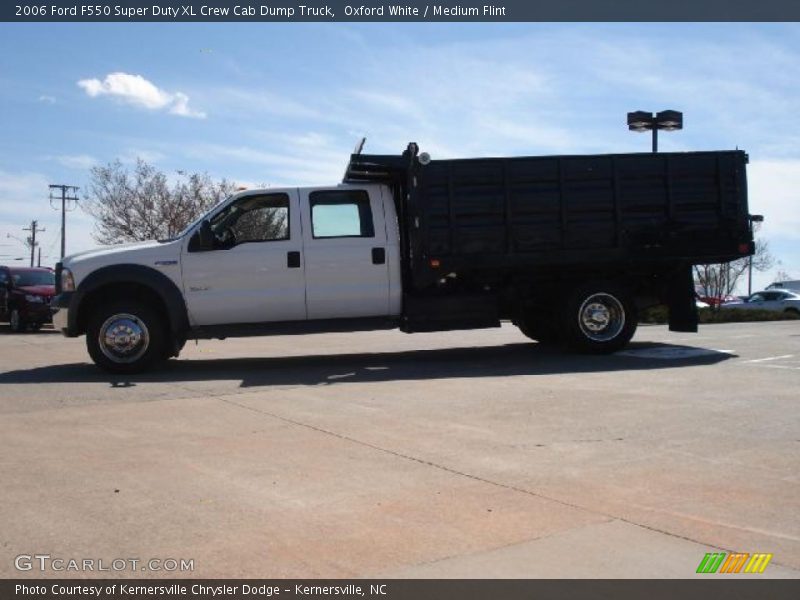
25 295
703 296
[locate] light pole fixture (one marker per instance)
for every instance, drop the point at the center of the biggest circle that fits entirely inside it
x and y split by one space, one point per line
666 120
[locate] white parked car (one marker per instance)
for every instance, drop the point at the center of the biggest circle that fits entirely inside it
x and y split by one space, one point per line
773 300
791 285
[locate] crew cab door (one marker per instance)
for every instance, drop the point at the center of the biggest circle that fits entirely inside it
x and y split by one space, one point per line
344 240
254 272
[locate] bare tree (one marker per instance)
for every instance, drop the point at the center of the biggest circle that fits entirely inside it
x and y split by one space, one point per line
720 280
141 204
782 274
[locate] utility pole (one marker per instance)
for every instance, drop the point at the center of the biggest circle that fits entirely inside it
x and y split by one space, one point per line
32 239
39 261
67 195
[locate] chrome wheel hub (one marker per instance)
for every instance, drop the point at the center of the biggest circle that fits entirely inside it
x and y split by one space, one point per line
601 317
124 338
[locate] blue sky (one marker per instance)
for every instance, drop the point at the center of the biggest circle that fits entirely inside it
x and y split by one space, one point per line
285 103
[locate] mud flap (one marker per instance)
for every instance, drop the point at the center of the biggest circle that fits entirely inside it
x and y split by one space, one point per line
681 301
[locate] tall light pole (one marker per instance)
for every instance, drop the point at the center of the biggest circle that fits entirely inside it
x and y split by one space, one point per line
666 120
753 219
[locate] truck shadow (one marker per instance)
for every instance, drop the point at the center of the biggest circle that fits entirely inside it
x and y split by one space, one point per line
509 360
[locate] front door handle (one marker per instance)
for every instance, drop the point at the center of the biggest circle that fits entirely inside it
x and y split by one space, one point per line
378 256
293 259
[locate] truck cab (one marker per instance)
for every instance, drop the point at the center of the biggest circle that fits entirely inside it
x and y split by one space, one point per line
293 255
261 257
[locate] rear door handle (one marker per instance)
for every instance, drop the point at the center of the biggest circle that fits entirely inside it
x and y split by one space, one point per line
378 256
293 259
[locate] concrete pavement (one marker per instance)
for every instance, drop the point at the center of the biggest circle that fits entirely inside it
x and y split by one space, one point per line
461 454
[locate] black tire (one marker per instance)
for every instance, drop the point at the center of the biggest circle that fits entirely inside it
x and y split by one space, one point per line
139 334
599 318
792 311
16 322
35 326
542 330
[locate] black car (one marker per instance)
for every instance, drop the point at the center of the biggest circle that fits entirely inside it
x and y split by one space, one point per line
25 295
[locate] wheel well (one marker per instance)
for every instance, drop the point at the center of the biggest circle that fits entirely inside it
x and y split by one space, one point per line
550 293
113 292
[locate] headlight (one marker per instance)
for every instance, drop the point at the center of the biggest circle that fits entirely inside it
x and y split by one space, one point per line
67 281
33 298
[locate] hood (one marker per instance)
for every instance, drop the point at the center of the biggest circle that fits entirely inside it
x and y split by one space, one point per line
164 256
109 250
41 290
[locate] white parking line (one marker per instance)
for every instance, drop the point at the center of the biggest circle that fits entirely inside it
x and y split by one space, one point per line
672 352
758 360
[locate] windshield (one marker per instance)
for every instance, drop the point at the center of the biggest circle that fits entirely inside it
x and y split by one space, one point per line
26 278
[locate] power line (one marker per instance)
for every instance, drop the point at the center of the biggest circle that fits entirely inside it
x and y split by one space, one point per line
65 200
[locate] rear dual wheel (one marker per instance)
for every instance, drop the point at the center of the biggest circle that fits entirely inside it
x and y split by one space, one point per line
598 319
540 326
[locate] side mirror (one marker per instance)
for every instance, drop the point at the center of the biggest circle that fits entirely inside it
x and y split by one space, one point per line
202 239
206 235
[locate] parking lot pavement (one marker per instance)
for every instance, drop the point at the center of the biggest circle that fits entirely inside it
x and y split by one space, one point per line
461 454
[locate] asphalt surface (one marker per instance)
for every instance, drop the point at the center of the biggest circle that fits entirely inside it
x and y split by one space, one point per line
462 454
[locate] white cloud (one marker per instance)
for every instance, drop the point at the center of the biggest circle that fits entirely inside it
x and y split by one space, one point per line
774 191
47 99
23 197
81 162
299 162
136 90
131 155
246 101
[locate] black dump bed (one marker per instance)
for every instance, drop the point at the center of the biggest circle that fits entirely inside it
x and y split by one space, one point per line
543 212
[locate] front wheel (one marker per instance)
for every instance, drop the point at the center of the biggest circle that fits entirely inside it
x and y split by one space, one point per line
127 337
599 319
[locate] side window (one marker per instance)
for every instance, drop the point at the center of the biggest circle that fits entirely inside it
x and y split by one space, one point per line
341 214
3 277
757 298
254 219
